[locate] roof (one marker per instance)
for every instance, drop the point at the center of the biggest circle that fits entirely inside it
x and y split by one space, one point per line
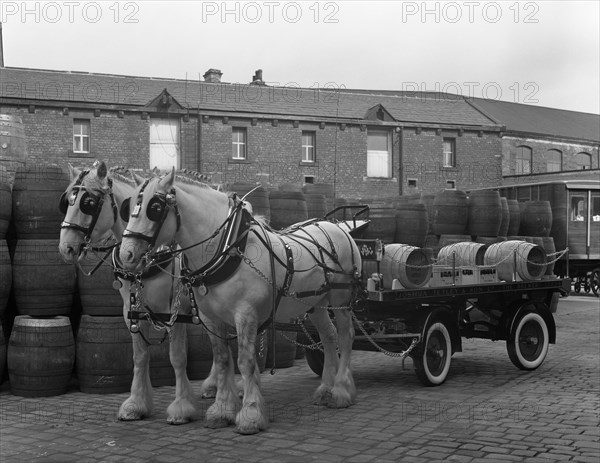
518 117
66 86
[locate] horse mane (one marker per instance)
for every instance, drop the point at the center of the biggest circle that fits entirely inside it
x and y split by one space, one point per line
191 177
122 174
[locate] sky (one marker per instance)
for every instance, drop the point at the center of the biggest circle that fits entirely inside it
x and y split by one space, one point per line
544 53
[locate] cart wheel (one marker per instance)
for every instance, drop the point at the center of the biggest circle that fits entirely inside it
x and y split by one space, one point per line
432 363
527 344
577 287
315 360
586 288
595 282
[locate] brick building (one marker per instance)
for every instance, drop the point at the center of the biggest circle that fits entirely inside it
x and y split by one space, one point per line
366 144
544 144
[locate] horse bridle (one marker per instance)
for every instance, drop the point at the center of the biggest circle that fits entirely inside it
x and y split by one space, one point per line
156 211
89 204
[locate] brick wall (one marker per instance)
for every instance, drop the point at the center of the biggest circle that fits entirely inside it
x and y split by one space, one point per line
478 160
540 150
49 135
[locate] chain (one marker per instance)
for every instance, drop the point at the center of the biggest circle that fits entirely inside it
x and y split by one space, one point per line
402 354
287 293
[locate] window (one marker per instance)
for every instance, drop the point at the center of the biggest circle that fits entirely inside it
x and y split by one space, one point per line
379 154
308 146
578 209
449 152
81 136
238 143
553 161
524 160
584 161
164 143
596 209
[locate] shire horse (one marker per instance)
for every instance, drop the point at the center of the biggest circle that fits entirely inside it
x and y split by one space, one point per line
247 276
90 204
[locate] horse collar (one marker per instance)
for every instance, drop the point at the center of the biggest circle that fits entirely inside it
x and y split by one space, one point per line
227 257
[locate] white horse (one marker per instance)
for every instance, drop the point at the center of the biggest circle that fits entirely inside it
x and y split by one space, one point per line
90 204
245 275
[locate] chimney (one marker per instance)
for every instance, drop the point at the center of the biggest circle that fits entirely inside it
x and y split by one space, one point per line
257 78
213 76
1 49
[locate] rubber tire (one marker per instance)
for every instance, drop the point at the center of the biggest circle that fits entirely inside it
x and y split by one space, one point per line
528 361
595 282
315 360
436 333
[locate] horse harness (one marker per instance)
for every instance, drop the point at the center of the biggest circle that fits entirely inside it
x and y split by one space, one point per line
89 204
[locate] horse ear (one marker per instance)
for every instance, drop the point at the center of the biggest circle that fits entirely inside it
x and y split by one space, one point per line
138 180
73 172
167 181
101 170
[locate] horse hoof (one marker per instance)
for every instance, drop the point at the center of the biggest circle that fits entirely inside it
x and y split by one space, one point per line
322 397
129 412
178 421
247 430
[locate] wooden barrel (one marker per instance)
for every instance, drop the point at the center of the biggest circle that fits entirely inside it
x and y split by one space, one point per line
536 219
104 355
528 260
96 292
325 189
285 351
259 198
5 201
432 242
382 214
43 283
41 354
407 264
316 205
161 370
290 187
550 248
2 352
450 213
36 194
463 254
287 208
485 213
514 220
5 276
428 201
446 240
505 217
199 352
411 224
489 239
13 145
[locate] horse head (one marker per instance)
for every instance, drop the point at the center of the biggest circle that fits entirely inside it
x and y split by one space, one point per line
153 219
90 210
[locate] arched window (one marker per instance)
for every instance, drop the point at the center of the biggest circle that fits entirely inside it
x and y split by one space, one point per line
583 161
524 160
553 160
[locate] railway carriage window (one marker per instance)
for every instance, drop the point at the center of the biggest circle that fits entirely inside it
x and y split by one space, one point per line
81 136
596 209
524 160
578 208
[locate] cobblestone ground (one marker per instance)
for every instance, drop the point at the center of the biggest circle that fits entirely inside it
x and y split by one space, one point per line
486 411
